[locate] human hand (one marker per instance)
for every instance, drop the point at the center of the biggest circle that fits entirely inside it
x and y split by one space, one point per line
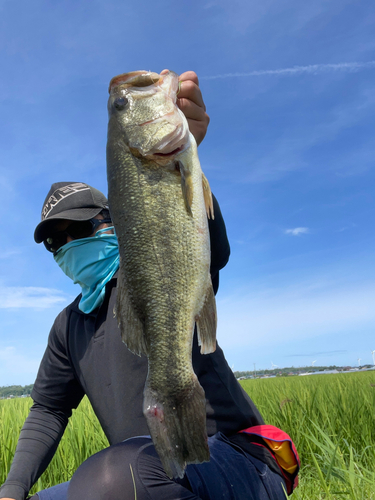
190 101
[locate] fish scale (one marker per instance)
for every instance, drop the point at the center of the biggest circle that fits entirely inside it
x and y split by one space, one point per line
158 206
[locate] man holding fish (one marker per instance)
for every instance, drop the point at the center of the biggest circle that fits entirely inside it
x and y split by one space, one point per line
128 274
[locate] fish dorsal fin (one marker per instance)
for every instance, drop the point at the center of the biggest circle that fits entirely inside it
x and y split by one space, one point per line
207 197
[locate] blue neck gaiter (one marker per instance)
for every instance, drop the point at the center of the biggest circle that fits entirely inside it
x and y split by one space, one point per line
90 262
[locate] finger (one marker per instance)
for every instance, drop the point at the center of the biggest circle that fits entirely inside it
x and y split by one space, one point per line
190 91
197 118
198 128
189 75
191 110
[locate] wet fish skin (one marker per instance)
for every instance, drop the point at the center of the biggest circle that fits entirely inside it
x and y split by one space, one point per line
158 206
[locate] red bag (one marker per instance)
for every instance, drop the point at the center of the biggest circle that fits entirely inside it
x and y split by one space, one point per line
282 449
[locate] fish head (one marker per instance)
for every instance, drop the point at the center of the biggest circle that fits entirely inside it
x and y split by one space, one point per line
143 106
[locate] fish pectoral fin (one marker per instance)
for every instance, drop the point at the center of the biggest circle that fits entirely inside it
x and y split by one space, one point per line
131 327
207 322
178 428
207 197
186 186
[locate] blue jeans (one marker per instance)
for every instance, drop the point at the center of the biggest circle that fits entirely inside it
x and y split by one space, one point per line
229 475
58 492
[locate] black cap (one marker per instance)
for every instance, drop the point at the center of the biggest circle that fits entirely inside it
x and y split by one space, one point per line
69 201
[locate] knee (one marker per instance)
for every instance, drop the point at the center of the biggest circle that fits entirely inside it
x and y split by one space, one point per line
109 473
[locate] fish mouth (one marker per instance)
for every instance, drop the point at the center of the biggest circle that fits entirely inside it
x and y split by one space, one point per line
140 78
172 153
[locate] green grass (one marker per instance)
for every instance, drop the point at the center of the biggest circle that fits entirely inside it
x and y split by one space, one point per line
82 438
331 419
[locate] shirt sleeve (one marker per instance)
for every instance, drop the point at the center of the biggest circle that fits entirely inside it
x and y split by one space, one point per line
56 385
55 393
38 441
220 249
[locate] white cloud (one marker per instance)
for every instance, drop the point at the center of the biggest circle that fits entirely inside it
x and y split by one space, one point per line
5 254
312 69
297 231
31 297
16 368
245 16
209 5
290 152
305 310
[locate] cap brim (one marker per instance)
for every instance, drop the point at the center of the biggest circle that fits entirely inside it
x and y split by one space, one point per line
45 228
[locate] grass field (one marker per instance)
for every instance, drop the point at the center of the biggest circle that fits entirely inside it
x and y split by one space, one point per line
331 419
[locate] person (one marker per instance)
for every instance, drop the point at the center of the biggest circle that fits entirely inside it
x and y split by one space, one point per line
85 356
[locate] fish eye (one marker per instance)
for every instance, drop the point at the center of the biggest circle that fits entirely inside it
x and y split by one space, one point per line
120 103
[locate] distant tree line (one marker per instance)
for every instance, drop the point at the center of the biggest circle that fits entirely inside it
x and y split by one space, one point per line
284 371
19 390
15 390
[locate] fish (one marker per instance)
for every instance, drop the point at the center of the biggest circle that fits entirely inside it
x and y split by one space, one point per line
160 202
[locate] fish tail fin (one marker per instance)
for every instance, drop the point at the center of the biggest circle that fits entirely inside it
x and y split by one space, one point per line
207 322
178 428
131 327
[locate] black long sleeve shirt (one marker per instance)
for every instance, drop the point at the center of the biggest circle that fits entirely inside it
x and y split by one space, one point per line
85 355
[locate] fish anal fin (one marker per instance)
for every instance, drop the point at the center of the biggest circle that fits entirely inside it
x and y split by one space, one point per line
186 185
131 327
178 428
206 323
208 198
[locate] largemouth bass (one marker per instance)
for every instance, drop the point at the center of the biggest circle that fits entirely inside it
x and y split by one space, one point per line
159 201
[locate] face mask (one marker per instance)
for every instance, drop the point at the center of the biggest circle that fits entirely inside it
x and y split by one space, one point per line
91 262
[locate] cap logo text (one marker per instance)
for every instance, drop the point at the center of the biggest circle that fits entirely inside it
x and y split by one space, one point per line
60 194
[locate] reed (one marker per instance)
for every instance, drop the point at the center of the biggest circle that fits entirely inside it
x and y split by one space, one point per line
331 419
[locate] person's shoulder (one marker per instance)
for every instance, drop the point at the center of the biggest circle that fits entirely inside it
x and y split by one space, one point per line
61 322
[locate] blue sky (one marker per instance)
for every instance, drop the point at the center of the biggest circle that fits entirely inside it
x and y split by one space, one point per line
290 154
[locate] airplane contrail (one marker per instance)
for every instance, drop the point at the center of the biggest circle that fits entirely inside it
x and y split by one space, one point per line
299 70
